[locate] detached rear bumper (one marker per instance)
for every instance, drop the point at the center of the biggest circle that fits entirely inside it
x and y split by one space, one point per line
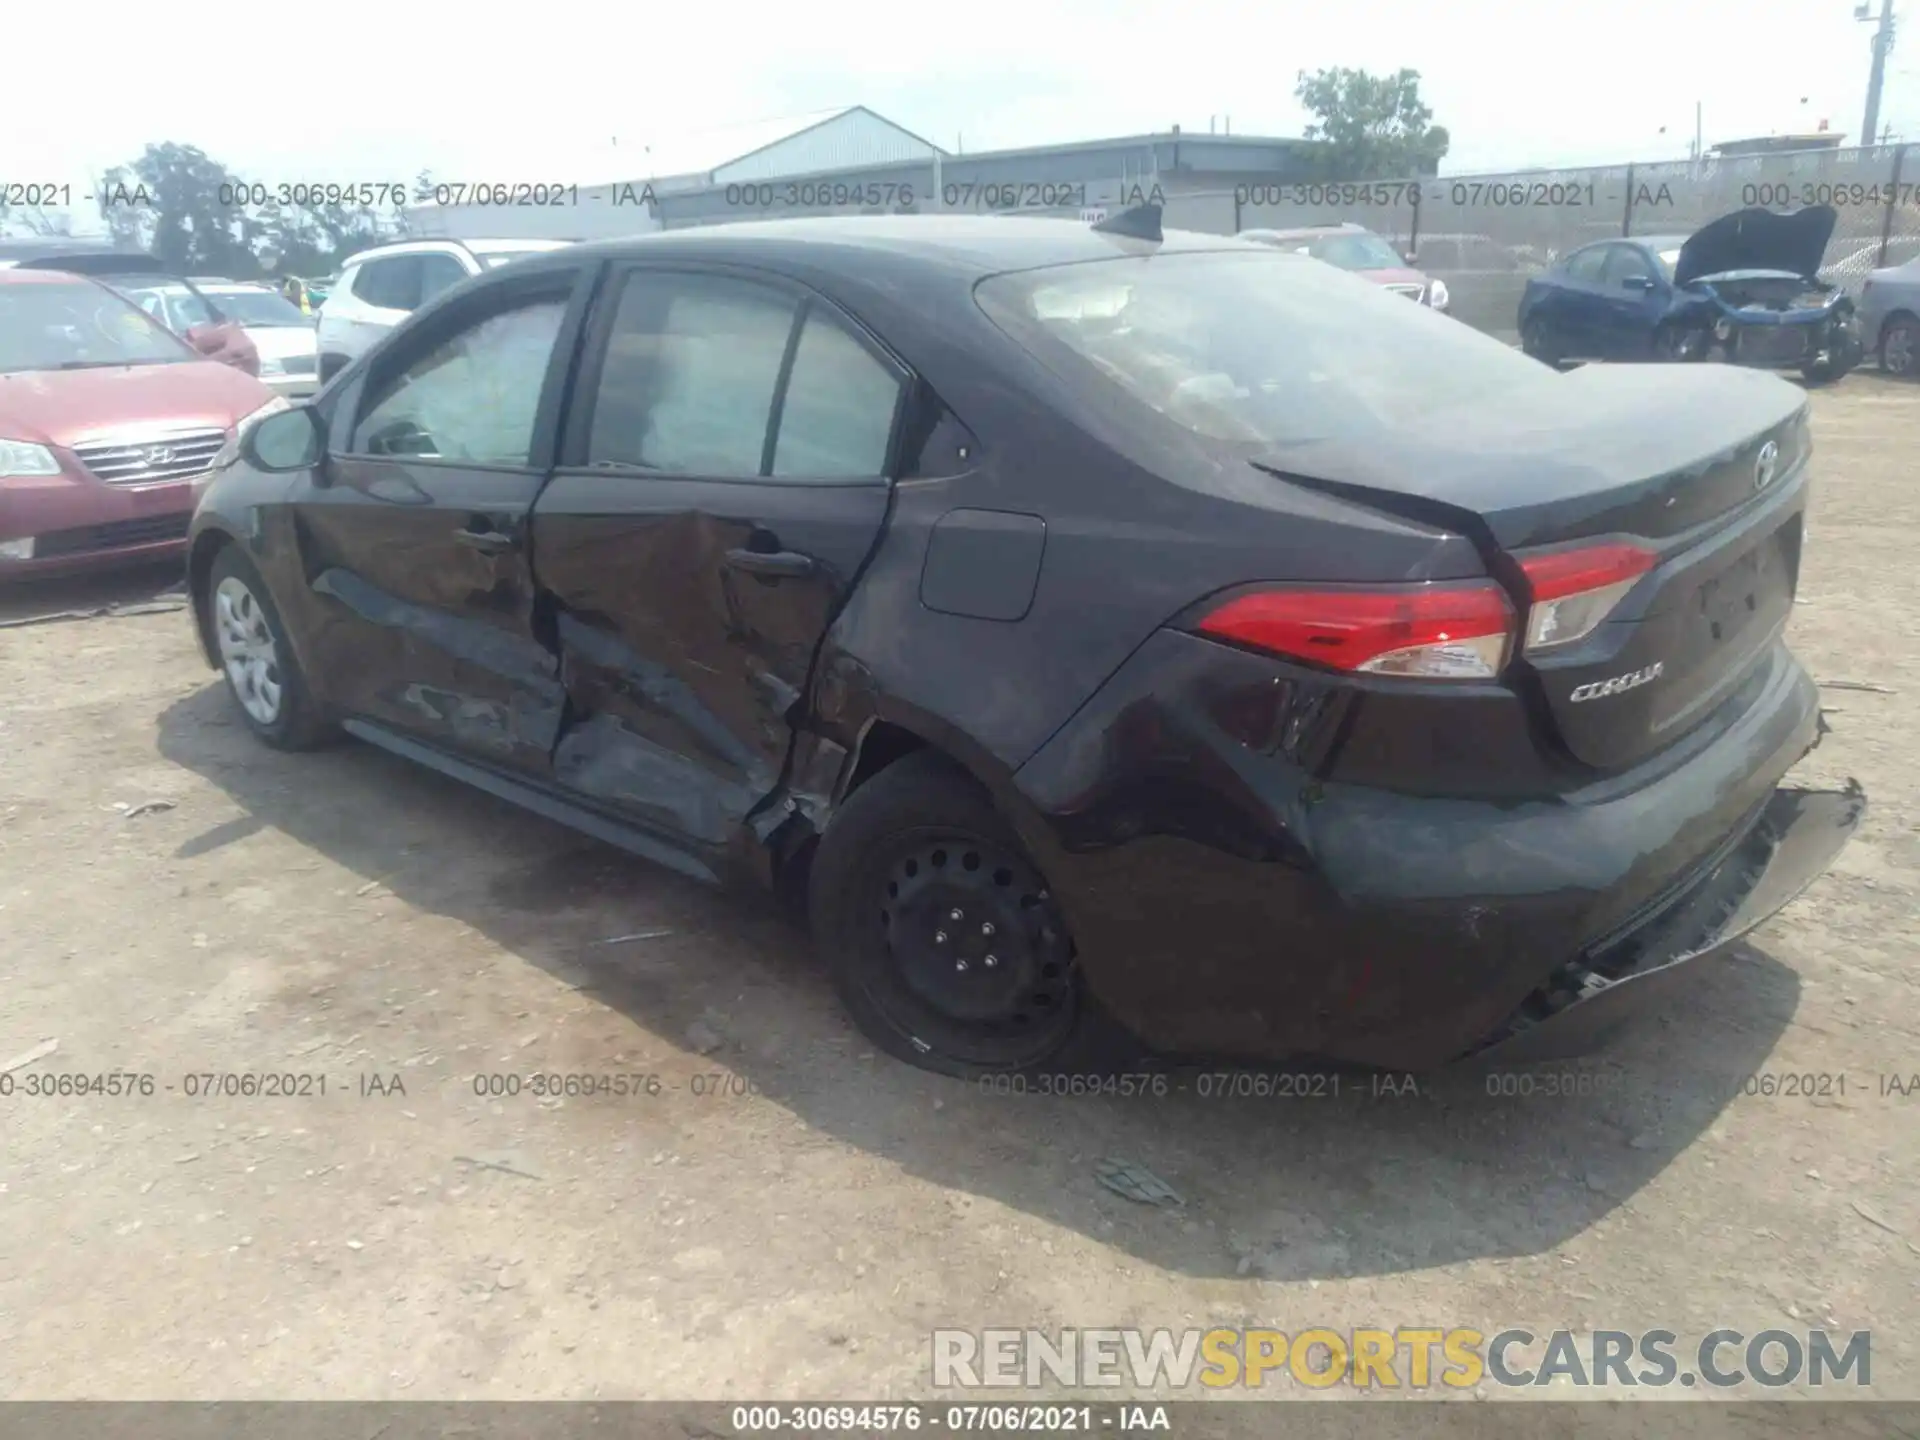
1792 841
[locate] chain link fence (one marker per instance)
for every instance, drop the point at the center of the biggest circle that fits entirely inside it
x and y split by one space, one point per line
1484 235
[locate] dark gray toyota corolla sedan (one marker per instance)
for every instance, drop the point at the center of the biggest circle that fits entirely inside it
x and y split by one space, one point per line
1080 620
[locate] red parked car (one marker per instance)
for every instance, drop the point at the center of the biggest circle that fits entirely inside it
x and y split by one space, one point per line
109 422
1355 248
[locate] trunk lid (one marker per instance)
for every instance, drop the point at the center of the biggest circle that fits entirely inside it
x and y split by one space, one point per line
1674 457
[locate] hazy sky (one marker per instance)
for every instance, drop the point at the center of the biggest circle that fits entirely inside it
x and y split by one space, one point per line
361 90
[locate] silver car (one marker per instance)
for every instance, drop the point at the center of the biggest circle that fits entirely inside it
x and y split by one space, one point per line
1890 318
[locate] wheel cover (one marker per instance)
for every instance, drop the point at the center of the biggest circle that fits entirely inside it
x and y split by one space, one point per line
1898 354
976 940
247 652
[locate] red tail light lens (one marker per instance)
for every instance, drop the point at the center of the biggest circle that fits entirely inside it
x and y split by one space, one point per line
1433 632
1574 590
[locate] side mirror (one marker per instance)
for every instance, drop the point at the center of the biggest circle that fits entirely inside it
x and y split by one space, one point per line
290 440
1637 282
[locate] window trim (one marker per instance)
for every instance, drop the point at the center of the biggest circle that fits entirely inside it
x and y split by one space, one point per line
1648 268
574 282
579 423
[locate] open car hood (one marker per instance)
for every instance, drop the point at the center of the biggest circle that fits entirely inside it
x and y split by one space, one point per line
1758 239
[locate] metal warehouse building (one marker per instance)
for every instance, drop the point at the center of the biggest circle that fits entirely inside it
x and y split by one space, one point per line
857 161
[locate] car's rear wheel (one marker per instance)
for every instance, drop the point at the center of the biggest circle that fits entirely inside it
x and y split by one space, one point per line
1900 348
260 670
941 934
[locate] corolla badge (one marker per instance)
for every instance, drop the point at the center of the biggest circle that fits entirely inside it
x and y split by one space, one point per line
1766 466
1619 684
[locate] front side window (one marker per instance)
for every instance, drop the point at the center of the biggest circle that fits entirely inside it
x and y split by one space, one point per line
77 325
1626 263
1587 265
472 398
1257 350
691 366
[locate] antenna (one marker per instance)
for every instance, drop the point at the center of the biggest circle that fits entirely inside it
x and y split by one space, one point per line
1140 222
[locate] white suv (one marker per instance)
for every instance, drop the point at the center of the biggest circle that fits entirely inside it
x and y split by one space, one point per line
379 288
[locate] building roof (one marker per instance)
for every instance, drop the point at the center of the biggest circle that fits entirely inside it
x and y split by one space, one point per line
698 154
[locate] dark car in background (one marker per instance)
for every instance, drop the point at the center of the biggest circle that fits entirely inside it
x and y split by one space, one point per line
1080 619
1357 249
1744 289
108 423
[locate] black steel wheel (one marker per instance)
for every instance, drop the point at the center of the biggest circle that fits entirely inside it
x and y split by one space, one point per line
943 938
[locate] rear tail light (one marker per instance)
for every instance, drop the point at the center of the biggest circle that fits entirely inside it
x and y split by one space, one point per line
1429 632
1574 590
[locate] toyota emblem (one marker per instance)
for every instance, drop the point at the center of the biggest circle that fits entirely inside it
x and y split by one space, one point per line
1766 465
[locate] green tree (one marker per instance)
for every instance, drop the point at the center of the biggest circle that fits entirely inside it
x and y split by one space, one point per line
1370 127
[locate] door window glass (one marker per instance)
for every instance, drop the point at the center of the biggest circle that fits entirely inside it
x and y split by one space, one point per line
471 398
391 284
1587 264
691 366
838 413
437 273
1624 263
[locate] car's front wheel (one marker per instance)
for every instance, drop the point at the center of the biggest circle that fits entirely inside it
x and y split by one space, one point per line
261 673
1536 339
941 934
1900 348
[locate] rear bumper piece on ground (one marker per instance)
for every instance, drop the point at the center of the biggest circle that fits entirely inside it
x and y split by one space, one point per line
1792 841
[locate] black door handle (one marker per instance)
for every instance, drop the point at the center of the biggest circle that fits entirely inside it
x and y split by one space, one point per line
776 562
487 542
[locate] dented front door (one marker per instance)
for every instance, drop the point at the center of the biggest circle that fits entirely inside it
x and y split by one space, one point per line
725 479
413 532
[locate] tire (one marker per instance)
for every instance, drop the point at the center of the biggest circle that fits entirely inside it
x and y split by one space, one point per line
1682 344
1823 374
1536 340
916 846
263 678
1900 348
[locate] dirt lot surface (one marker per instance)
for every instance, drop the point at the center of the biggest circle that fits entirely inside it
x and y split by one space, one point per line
792 1215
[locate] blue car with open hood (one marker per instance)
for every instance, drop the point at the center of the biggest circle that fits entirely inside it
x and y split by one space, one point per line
1744 289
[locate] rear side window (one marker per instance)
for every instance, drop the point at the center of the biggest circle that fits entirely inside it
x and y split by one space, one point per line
1258 350
392 283
439 272
838 412
688 381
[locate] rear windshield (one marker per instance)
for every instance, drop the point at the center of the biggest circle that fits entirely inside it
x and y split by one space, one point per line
261 308
1256 349
78 325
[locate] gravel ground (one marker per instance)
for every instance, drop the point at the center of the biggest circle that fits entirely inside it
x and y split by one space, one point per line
790 1215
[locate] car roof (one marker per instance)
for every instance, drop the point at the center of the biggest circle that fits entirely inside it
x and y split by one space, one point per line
427 244
976 245
11 276
1290 232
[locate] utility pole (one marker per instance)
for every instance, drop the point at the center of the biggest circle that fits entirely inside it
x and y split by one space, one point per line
1882 43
